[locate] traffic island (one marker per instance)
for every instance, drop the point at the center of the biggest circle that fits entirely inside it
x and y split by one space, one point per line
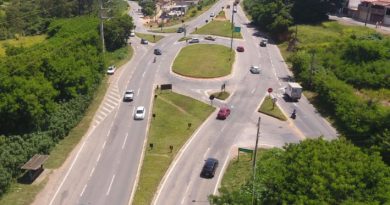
149 37
221 95
204 61
218 28
269 107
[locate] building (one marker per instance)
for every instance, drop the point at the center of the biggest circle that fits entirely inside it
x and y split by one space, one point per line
374 11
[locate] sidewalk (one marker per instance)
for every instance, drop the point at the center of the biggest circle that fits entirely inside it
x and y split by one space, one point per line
347 20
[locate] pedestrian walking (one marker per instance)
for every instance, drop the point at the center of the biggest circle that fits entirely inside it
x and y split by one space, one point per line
376 24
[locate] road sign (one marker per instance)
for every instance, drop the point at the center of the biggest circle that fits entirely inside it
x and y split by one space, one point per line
274 100
166 87
270 90
237 29
245 150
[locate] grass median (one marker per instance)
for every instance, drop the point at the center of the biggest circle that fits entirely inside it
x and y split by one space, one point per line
149 37
221 95
268 108
170 127
218 28
204 61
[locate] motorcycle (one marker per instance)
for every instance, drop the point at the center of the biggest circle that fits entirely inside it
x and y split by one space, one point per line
294 114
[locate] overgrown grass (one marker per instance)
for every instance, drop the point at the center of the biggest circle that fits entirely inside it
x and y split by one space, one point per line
204 61
59 154
221 95
221 15
26 41
184 38
239 171
149 37
323 34
22 194
218 28
169 127
269 109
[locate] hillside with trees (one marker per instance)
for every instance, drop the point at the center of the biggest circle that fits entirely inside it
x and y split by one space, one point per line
46 88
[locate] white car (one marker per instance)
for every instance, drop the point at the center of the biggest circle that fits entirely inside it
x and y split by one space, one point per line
129 95
111 70
139 113
132 34
212 14
255 69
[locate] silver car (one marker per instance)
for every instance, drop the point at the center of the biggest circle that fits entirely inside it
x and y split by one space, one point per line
255 70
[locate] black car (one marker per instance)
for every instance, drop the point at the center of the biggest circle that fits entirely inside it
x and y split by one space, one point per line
209 168
157 51
144 41
180 30
263 43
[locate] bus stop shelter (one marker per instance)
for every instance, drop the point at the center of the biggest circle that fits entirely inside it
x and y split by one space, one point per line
34 166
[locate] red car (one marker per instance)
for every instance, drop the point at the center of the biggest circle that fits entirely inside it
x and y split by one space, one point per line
240 48
223 113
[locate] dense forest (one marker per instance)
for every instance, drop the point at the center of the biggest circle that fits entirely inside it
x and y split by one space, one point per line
46 88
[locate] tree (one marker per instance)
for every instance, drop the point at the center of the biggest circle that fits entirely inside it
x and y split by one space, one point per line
148 7
117 31
316 171
314 11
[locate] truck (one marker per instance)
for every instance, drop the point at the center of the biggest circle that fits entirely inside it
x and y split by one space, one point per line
293 91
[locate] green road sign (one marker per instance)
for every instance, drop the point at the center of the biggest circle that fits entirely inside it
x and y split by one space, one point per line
237 29
245 150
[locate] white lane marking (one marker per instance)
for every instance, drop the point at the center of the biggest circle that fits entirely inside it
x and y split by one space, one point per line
108 105
185 194
100 117
223 128
103 113
92 171
70 168
109 187
295 104
221 175
133 111
138 91
206 153
98 158
82 192
106 109
112 103
112 97
254 89
143 74
104 144
124 141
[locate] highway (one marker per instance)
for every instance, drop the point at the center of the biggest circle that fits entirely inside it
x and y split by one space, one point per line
104 167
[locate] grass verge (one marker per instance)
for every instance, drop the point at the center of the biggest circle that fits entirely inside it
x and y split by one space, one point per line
184 38
173 113
149 37
269 109
165 30
239 171
21 42
218 28
221 95
22 194
204 61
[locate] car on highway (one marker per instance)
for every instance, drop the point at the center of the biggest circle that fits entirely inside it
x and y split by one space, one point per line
111 70
223 113
255 69
263 43
234 9
157 51
139 113
129 95
132 34
180 30
240 48
212 14
209 167
144 41
210 38
194 40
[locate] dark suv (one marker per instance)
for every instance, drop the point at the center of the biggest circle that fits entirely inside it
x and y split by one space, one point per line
209 168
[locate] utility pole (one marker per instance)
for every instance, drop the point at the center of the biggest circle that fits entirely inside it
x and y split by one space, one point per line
368 12
231 40
101 17
254 202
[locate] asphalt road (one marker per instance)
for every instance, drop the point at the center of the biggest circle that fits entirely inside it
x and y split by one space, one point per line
103 168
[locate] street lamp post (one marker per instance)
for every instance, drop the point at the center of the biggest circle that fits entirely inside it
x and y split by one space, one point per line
254 162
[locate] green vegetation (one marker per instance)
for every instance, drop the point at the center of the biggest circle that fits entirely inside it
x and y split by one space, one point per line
221 95
165 30
218 28
46 90
148 7
149 37
184 39
26 41
221 15
214 61
117 31
169 127
22 194
349 63
268 108
313 172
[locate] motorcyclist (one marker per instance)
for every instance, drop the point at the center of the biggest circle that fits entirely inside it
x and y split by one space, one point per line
294 114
